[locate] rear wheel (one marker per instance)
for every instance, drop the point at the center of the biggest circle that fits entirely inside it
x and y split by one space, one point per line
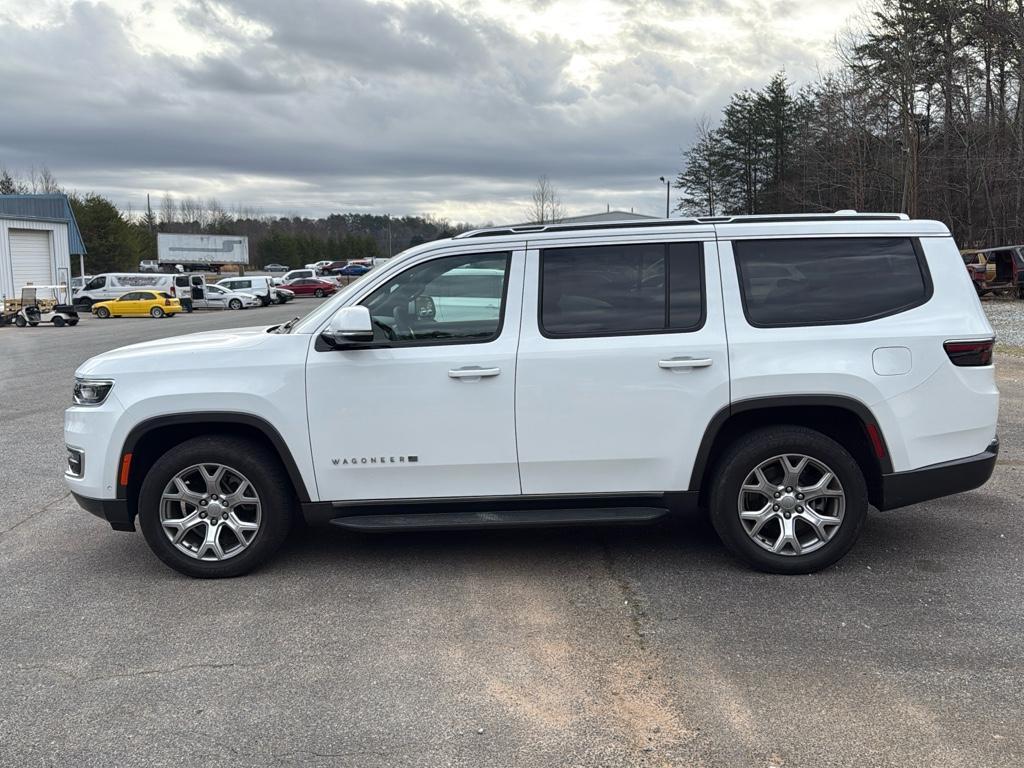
156 312
58 321
103 313
20 321
216 507
788 500
73 321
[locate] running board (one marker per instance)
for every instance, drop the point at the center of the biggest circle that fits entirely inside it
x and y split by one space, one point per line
527 518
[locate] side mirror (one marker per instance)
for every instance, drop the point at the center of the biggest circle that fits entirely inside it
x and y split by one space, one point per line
349 324
425 309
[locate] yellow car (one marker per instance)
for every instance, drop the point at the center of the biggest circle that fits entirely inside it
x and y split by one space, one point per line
138 304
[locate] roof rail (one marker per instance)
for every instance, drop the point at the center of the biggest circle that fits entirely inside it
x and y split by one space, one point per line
527 229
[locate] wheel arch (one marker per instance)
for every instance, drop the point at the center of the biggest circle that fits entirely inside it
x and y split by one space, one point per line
846 420
150 439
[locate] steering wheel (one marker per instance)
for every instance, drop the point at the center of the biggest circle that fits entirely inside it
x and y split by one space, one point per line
402 324
388 330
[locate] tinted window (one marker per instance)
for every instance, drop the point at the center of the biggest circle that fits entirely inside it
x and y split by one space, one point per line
96 282
617 289
456 298
825 281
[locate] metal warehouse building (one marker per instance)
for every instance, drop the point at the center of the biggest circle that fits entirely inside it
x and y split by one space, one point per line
38 236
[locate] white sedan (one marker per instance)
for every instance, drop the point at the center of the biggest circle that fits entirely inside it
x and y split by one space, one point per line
218 296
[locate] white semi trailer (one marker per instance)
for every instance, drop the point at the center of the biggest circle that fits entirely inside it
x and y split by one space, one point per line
200 252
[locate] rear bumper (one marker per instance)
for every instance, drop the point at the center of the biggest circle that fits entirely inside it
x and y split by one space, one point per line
114 511
899 489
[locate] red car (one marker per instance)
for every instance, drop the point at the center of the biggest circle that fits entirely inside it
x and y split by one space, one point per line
310 286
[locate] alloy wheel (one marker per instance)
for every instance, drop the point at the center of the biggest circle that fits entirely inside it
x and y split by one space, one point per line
791 504
210 512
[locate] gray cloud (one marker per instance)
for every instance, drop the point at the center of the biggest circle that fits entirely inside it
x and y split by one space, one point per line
314 105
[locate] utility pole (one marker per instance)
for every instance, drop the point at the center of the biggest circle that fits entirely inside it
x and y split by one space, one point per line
390 251
668 192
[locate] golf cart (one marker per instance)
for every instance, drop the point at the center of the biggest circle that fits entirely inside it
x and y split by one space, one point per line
34 308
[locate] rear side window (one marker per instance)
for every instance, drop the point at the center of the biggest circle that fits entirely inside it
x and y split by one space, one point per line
829 281
612 290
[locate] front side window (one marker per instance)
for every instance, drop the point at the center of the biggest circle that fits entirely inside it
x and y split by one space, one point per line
451 299
95 283
612 290
133 296
829 281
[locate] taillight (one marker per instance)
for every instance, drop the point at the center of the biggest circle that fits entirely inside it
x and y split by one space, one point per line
970 352
172 291
167 302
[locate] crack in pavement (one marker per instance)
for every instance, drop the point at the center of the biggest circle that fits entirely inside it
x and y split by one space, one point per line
35 514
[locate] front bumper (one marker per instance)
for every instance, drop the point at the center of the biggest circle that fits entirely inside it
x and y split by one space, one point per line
900 489
114 511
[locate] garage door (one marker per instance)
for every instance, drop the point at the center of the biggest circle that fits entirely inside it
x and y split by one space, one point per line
31 260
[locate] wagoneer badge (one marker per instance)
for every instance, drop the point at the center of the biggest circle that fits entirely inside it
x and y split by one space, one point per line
375 460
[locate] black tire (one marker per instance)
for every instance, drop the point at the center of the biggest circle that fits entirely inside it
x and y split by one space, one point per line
319 293
103 313
20 321
73 321
156 312
34 324
259 465
740 460
58 321
86 303
235 304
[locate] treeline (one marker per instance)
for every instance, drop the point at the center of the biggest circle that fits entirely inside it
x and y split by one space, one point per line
118 240
299 240
924 116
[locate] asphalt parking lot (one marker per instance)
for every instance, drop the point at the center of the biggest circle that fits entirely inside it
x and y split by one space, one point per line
598 647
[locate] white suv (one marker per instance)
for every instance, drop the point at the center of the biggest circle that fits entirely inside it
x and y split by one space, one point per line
783 373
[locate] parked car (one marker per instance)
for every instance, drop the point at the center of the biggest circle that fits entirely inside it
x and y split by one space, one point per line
138 304
283 295
149 265
259 285
274 268
352 270
311 286
296 274
219 297
592 375
996 270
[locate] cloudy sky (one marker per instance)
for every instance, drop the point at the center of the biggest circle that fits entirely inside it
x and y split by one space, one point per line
450 108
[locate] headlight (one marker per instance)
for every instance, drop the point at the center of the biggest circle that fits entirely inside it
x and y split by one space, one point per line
91 391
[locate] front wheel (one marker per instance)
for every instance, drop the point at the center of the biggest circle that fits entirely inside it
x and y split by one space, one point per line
235 304
156 312
319 293
58 321
788 500
216 507
20 321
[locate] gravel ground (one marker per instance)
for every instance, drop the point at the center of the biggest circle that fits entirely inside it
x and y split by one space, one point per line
1007 318
628 647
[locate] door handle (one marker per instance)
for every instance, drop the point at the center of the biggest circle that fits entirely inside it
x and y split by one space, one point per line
685 362
472 372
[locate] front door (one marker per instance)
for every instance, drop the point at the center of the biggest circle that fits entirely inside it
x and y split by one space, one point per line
427 410
622 364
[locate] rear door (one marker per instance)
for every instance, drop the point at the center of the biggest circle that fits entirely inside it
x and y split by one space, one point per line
622 363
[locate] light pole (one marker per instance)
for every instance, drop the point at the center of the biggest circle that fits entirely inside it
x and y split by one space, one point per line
668 191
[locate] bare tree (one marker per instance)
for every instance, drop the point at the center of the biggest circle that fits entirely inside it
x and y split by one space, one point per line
168 210
545 204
